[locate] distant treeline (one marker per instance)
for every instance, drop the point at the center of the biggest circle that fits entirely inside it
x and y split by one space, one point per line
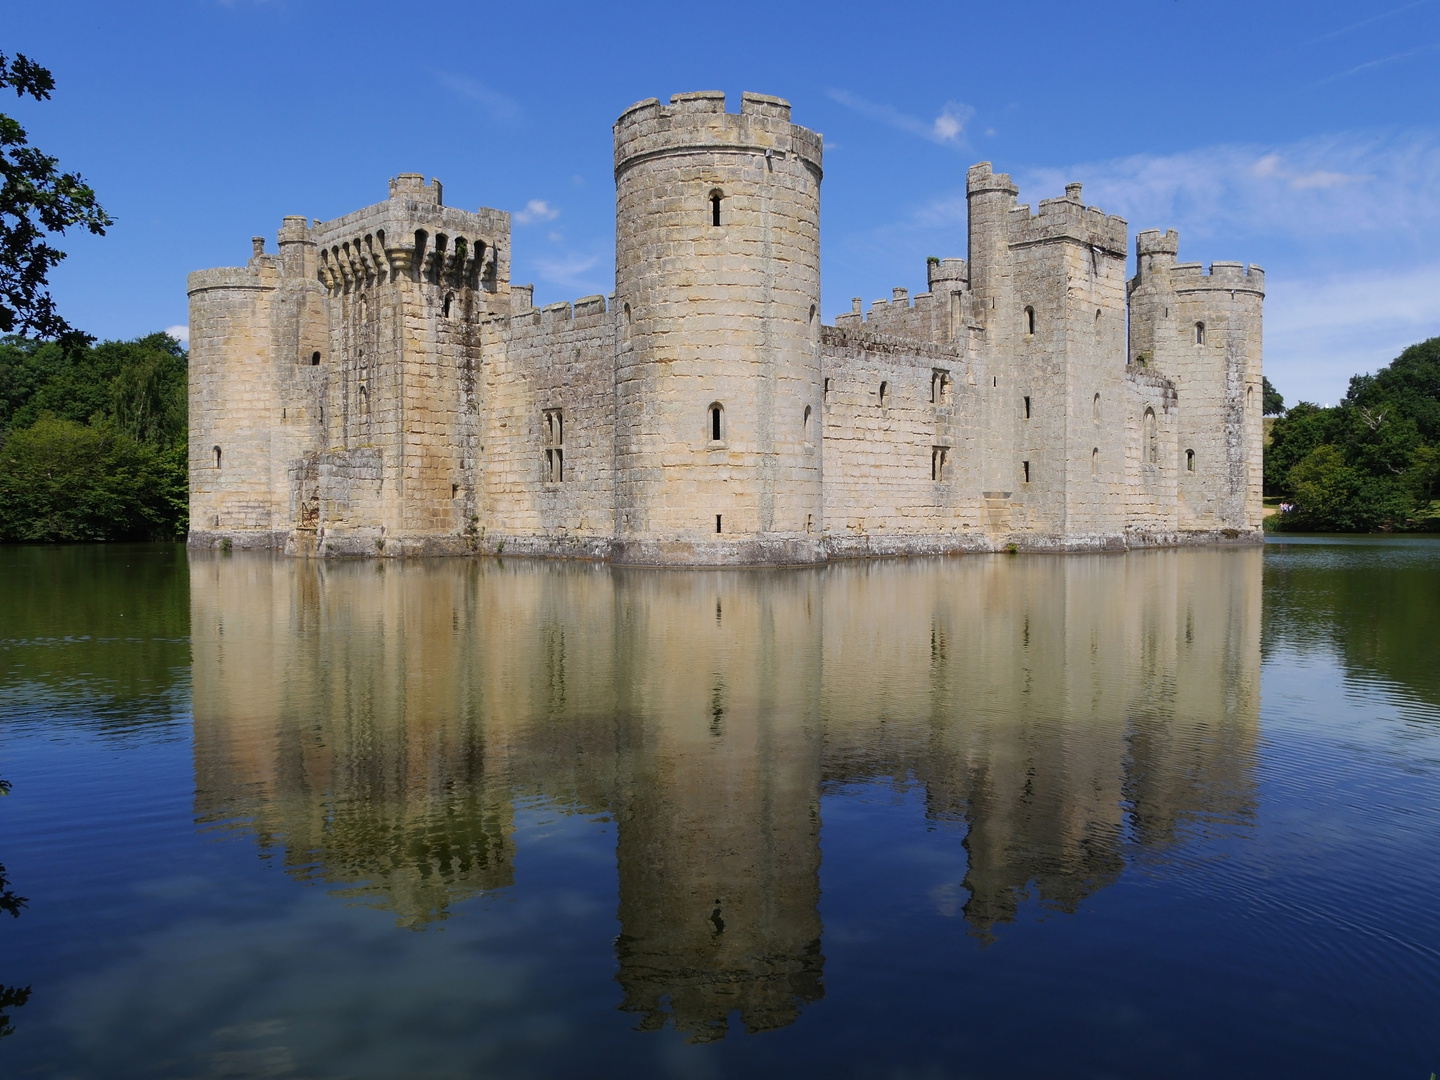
1370 464
92 440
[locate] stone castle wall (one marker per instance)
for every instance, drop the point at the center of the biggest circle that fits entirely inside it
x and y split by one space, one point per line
380 387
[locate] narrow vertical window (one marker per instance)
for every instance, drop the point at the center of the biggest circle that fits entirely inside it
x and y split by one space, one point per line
1098 327
715 209
1095 462
884 386
553 428
938 455
315 359
1189 460
805 426
1199 333
826 395
717 422
1025 471
445 308
1150 439
1095 409
717 523
1027 407
217 457
1029 321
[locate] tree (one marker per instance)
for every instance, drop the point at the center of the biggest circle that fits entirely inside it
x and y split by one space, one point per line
36 200
1271 401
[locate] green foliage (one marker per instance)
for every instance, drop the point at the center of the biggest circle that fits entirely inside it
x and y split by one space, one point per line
1273 404
36 200
92 440
60 480
1371 463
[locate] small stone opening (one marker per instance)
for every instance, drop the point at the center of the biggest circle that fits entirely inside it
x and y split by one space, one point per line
445 307
1095 462
1029 322
939 455
805 426
717 422
1190 461
315 359
1150 436
1199 333
717 523
884 389
1095 409
1025 471
217 457
715 197
1027 407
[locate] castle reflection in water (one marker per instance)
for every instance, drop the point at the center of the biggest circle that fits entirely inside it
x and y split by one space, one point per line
377 724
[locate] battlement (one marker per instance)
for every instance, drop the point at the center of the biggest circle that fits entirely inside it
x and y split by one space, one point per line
947 275
412 186
1154 242
552 318
649 129
982 178
411 234
1225 276
1068 218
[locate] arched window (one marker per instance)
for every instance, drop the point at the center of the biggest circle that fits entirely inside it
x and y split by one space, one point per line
315 359
1095 463
1029 321
1199 333
884 386
1189 460
1095 409
629 319
715 197
1150 439
814 324
364 401
217 457
1249 397
1097 324
445 307
805 426
717 422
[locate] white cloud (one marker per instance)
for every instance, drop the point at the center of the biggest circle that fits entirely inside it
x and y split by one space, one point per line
536 210
180 333
571 271
947 129
499 107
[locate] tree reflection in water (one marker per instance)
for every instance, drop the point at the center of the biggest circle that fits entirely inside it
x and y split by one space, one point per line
11 997
376 725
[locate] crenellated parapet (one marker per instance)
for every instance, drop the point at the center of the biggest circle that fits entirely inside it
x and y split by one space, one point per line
1068 218
413 236
693 121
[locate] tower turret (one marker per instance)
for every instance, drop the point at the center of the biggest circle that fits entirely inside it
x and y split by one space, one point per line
718 385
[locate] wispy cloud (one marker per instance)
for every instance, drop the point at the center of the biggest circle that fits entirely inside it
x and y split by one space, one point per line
573 272
1384 61
180 333
505 110
1342 31
536 210
948 128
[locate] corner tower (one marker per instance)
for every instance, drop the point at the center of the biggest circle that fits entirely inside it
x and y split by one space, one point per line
718 385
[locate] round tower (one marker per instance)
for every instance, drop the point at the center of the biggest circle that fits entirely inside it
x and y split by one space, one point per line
718 435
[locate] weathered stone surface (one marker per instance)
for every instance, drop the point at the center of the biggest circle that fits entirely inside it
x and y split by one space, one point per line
380 387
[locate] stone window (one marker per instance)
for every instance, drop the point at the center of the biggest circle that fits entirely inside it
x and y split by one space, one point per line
1189 460
717 424
217 457
1095 463
809 523
1150 439
1027 406
805 426
364 401
445 307
884 387
825 397
1024 472
939 456
1095 409
1029 323
1098 327
1199 333
717 523
715 197
554 431
315 359
939 386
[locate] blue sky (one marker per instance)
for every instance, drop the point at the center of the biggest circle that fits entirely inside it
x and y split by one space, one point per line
1302 137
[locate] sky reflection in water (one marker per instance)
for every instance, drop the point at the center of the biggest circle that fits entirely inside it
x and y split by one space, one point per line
985 816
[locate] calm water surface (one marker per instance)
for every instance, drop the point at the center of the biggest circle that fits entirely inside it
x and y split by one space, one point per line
1161 814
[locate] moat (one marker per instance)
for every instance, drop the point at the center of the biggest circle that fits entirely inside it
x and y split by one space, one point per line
1165 813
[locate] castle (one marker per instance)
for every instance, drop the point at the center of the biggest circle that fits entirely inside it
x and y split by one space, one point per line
380 387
